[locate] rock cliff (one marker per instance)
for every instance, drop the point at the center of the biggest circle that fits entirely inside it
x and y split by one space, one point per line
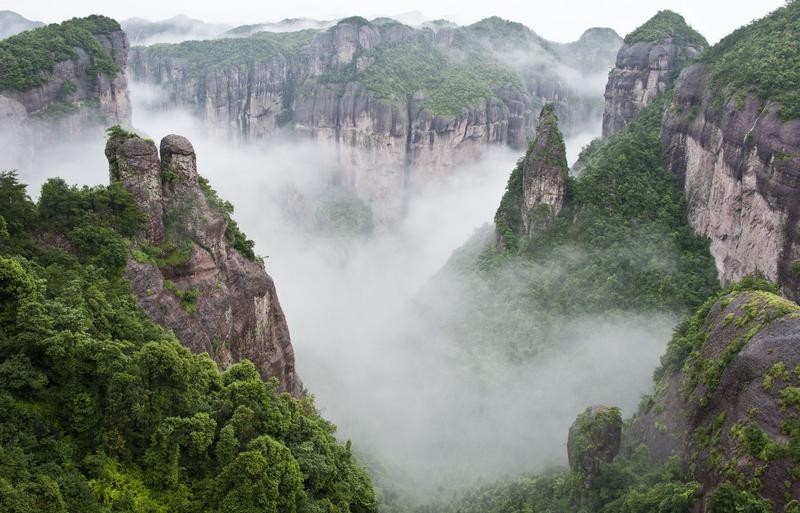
646 66
537 187
725 402
62 82
735 147
401 105
189 270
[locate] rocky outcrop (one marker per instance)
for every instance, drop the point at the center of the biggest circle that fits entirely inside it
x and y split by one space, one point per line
537 187
738 161
75 100
544 175
185 270
646 68
594 439
731 412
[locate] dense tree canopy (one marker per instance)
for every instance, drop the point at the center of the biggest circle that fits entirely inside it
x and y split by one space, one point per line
104 411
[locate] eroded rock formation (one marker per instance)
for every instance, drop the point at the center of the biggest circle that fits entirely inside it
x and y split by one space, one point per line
187 273
645 68
384 144
537 186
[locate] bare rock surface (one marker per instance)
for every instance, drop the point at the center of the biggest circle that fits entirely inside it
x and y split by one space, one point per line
213 297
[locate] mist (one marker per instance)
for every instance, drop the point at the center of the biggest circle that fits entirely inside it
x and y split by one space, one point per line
427 413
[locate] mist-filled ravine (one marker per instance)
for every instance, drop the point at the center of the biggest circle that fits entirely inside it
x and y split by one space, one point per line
428 417
372 265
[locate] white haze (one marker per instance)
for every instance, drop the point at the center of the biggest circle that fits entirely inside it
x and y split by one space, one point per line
428 417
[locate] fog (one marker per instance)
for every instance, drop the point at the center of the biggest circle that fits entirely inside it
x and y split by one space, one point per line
427 412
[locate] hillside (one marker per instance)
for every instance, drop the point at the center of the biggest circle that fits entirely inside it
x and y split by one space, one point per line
106 411
61 82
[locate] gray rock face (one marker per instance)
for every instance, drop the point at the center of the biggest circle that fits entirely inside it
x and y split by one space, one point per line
739 164
713 426
236 314
544 175
95 102
643 71
384 147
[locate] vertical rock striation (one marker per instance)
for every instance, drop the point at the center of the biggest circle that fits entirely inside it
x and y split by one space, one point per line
358 86
737 153
537 187
647 64
187 273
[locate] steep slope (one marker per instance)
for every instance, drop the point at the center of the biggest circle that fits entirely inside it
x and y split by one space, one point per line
646 66
61 82
194 271
402 106
12 23
732 136
726 399
103 410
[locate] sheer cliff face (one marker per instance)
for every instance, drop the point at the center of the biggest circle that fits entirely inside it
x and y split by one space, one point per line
644 70
74 101
739 163
384 145
214 298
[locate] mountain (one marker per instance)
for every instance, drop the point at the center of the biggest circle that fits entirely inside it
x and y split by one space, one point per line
732 137
59 83
720 431
104 410
193 270
172 30
647 65
12 23
414 103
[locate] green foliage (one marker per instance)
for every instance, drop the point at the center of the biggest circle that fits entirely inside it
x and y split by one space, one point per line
622 236
667 24
214 55
104 411
450 79
632 484
763 59
233 234
26 59
187 297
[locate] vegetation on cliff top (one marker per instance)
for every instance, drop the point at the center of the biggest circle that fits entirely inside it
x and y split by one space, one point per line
763 59
105 411
216 54
27 58
450 79
664 25
626 216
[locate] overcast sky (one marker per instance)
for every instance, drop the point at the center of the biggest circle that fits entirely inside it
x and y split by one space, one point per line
559 20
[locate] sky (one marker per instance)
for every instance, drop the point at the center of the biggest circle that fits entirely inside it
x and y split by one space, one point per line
563 20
